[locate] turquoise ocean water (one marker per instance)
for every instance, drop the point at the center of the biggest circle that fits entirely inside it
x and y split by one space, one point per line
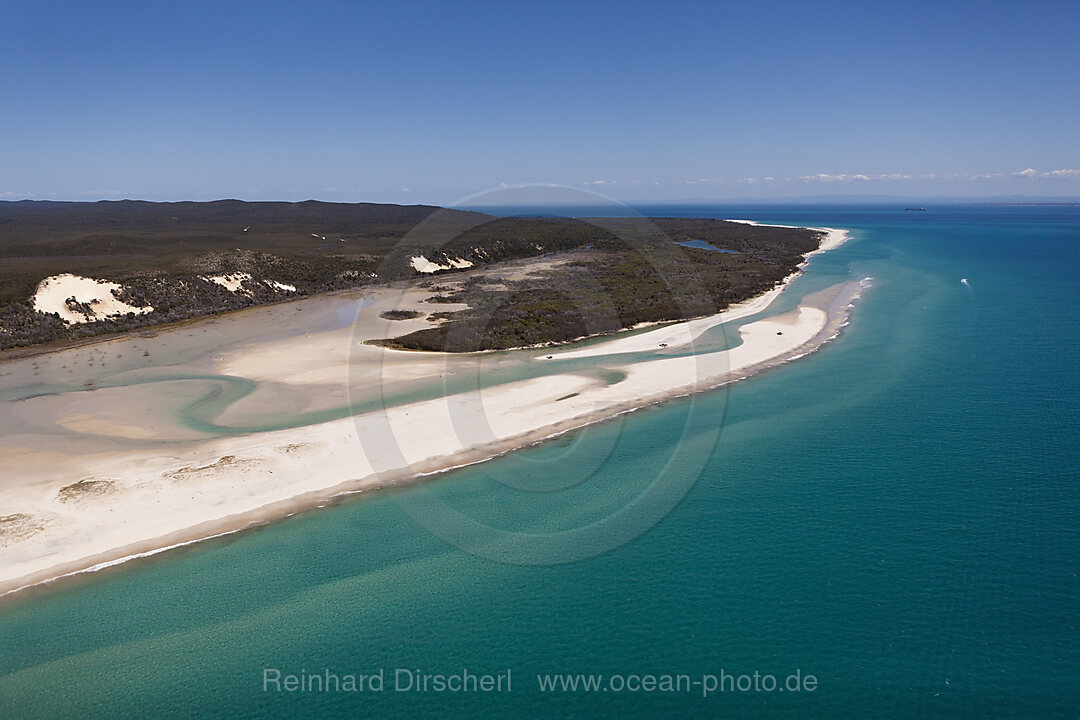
897 515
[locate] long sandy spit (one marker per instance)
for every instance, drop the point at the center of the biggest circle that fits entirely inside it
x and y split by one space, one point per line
115 462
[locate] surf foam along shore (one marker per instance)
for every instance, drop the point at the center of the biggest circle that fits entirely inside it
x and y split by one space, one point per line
102 473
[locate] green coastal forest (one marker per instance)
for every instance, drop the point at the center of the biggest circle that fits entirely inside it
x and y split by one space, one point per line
619 271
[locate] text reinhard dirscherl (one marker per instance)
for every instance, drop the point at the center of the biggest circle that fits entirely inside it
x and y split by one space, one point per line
467 681
381 680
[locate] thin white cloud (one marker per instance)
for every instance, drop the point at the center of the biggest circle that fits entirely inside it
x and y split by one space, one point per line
848 178
618 182
842 177
1026 173
855 177
1062 173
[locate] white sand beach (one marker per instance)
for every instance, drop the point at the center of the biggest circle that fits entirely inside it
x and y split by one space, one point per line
101 464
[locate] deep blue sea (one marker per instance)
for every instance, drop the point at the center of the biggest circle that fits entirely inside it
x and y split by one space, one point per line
896 515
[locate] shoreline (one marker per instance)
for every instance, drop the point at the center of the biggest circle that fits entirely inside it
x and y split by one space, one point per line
646 384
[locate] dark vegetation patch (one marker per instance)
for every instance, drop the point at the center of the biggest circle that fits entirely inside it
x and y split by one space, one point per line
637 276
400 314
160 253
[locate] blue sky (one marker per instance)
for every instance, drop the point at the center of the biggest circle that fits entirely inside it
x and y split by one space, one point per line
433 102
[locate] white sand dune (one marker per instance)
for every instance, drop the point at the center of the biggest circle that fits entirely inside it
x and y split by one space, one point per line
231 282
280 285
53 293
422 265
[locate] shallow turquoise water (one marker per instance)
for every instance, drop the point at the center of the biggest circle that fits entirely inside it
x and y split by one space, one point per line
898 515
